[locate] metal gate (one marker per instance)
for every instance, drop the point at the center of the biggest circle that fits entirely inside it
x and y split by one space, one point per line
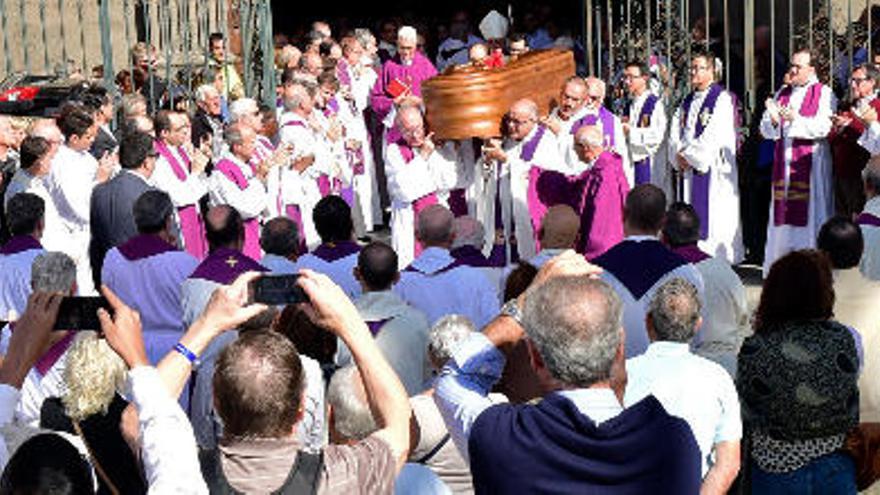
94 38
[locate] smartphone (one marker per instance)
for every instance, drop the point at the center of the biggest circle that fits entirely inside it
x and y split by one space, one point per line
80 313
276 290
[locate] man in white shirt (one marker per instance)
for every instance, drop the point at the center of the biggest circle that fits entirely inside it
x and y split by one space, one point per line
180 172
702 159
690 387
74 174
510 203
645 126
337 255
798 120
35 162
438 285
400 330
726 312
24 218
417 170
855 305
636 267
235 183
572 106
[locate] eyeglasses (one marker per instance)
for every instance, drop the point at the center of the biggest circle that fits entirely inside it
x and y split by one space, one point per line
594 97
698 68
858 80
797 67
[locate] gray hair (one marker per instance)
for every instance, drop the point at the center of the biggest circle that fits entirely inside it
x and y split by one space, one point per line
364 36
352 417
871 173
242 108
675 310
295 101
205 91
575 324
233 135
130 102
53 272
468 232
445 336
407 33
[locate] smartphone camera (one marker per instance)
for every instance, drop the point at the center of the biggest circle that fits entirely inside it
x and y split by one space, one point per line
276 290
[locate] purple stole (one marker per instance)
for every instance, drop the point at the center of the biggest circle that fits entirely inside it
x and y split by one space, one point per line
868 219
292 211
470 256
20 244
420 204
701 182
192 229
376 326
144 246
546 188
262 150
643 167
607 119
455 264
691 253
791 205
342 74
334 251
639 265
224 265
47 360
251 225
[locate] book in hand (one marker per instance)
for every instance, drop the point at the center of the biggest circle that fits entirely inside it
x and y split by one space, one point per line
396 88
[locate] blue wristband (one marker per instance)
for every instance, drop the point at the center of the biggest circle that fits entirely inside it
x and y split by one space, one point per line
188 354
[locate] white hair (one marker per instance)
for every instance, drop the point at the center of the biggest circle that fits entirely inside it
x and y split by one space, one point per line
242 108
53 272
352 417
205 91
468 232
593 135
407 33
93 374
595 81
445 336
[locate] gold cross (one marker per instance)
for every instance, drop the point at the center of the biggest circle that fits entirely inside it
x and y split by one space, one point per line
231 262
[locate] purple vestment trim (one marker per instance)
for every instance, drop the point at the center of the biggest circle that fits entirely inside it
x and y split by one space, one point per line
638 265
866 218
224 265
528 150
176 167
791 203
643 167
700 182
691 253
376 326
469 256
331 252
20 243
53 354
144 246
454 264
607 119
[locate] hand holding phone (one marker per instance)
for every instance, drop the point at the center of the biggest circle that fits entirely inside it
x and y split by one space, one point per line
276 290
80 313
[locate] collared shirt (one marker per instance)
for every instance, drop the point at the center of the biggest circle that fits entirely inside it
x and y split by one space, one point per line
461 290
690 387
462 390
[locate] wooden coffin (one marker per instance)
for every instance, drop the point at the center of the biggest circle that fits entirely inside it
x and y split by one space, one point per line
470 102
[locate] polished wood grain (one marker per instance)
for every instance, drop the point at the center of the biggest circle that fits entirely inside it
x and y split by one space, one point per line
470 102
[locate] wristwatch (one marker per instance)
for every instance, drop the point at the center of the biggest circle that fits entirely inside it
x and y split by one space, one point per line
511 309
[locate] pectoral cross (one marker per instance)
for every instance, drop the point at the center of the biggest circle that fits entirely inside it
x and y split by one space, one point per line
231 261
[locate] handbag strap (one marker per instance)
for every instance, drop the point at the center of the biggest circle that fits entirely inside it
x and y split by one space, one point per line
94 460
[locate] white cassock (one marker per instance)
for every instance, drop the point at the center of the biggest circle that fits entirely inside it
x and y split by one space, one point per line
870 139
513 178
184 192
712 152
645 142
782 239
292 189
54 237
362 180
564 138
15 285
870 264
409 181
70 184
249 202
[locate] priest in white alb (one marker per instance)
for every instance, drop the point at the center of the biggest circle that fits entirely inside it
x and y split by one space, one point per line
645 127
798 119
702 160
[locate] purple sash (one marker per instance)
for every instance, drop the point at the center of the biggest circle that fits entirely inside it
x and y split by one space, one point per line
603 115
469 256
293 123
176 167
191 227
342 73
420 204
19 244
643 167
251 225
700 182
639 265
376 326
458 202
224 265
144 246
691 253
455 264
791 204
331 252
868 219
332 107
294 213
53 354
536 206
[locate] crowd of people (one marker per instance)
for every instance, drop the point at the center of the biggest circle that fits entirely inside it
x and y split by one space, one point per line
556 311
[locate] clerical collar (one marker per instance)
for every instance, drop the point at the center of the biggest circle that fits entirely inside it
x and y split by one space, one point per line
641 237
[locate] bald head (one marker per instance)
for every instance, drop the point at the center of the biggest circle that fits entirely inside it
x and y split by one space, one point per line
559 228
48 130
223 228
595 92
589 143
435 227
411 125
522 118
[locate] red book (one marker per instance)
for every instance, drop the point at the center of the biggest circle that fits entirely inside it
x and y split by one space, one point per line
396 88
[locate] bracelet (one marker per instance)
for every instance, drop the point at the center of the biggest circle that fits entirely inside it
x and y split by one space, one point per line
188 354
